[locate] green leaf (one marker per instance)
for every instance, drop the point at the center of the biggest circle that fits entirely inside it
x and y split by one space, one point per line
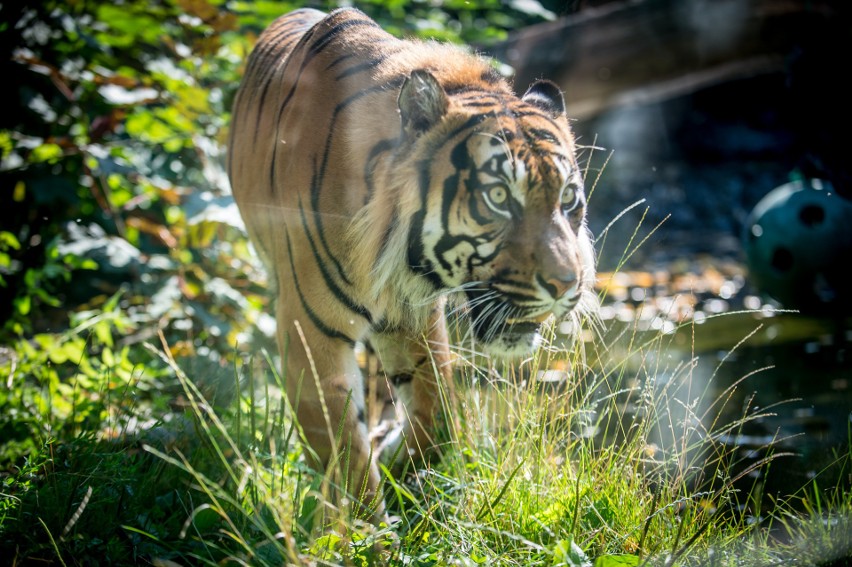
128 26
569 554
23 304
144 126
622 560
108 358
8 240
74 349
6 143
600 513
57 355
50 153
104 333
310 505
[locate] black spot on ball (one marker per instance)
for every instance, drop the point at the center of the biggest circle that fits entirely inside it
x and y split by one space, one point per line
782 259
812 215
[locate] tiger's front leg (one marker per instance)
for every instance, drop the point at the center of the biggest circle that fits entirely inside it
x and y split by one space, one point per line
420 368
325 388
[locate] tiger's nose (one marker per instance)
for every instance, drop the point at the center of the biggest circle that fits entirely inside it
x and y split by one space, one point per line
558 286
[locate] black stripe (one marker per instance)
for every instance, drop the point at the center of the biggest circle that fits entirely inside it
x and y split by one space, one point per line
376 151
309 32
383 326
305 38
387 52
318 323
320 44
317 181
365 66
339 60
477 260
518 298
272 47
265 57
538 114
544 135
473 203
417 261
315 48
338 293
424 180
401 378
465 89
480 104
460 160
548 287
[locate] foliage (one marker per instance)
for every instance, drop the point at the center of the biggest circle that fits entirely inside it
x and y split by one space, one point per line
112 168
112 158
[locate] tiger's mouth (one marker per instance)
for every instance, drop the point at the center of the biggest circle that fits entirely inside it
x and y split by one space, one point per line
523 326
500 326
536 320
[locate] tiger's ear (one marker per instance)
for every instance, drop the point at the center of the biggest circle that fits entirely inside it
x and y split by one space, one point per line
422 102
546 96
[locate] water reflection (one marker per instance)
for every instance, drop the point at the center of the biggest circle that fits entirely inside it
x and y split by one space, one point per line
762 386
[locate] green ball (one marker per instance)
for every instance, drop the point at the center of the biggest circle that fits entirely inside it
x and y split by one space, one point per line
798 244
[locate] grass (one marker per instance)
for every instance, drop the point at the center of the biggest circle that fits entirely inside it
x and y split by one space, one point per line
555 461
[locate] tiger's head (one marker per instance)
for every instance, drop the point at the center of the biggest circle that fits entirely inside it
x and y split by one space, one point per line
501 213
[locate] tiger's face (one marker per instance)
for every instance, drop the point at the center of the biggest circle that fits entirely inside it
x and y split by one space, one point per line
506 228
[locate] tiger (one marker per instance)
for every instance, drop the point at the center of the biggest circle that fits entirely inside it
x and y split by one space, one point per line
383 182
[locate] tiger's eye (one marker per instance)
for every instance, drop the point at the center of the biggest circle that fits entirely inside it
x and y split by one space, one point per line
569 196
498 195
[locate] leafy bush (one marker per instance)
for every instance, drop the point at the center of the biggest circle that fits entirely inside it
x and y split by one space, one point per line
112 159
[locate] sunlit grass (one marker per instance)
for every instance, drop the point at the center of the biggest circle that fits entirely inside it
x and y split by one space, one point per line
615 446
552 461
533 473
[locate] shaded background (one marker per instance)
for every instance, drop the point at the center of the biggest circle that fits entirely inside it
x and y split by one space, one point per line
706 106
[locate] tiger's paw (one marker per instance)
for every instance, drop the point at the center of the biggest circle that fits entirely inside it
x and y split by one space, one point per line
390 445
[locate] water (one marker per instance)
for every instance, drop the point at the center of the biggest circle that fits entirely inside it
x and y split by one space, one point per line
784 380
